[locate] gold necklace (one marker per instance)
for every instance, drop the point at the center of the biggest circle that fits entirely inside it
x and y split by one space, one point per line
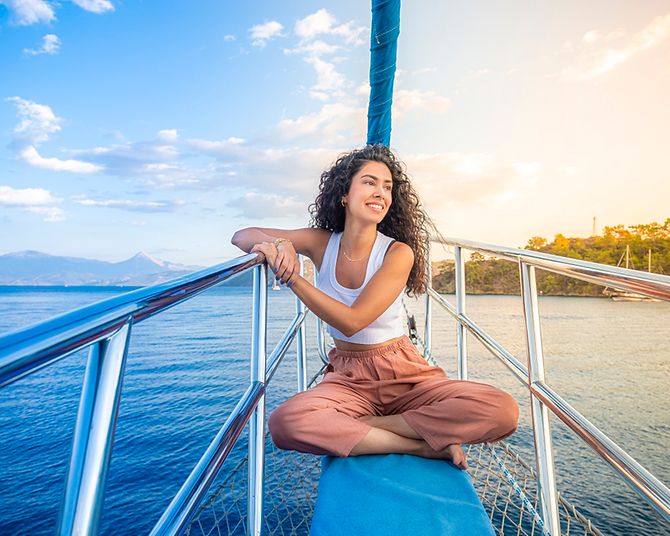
348 257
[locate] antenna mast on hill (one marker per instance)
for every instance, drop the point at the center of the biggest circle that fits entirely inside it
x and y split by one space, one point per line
593 233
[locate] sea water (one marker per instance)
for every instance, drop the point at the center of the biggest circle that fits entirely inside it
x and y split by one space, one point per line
187 368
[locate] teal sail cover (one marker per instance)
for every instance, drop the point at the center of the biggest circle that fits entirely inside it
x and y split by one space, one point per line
397 494
383 48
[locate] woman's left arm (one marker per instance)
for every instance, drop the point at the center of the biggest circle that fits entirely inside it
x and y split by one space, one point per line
377 296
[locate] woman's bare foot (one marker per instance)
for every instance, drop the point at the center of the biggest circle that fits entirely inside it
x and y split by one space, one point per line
400 430
457 455
454 453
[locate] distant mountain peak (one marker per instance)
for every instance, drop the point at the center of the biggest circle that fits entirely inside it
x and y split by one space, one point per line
27 254
144 256
35 268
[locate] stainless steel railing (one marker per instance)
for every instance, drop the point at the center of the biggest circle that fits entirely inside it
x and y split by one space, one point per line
543 398
105 327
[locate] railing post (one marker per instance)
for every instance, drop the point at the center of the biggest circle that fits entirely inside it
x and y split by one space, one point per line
301 342
544 455
460 310
257 421
94 435
427 329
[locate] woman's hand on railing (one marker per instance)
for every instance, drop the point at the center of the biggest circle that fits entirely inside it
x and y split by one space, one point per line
287 263
281 258
268 252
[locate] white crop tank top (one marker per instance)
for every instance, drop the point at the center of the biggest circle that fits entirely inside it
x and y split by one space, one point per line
389 324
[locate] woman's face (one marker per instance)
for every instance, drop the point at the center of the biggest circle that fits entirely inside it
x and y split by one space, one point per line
369 196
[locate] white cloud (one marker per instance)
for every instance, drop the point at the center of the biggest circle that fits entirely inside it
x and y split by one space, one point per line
314 24
330 82
424 70
319 95
50 45
293 172
600 55
262 33
132 159
170 175
231 145
528 169
337 124
30 156
229 37
591 36
50 214
480 73
18 197
259 206
95 6
27 12
37 121
323 22
406 101
443 179
363 90
351 34
313 48
33 200
327 77
130 204
458 179
168 134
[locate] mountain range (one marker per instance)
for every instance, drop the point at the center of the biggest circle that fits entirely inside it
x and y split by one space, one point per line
40 269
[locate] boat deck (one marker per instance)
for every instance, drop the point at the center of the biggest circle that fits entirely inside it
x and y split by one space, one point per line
291 490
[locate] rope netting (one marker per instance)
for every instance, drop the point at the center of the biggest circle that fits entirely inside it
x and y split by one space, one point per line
291 481
507 487
505 484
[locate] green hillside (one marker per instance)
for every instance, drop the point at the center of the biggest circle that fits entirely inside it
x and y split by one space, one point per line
493 276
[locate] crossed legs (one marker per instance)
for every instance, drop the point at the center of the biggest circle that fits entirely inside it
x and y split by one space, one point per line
430 420
391 434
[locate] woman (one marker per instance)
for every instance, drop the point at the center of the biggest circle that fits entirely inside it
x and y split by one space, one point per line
368 243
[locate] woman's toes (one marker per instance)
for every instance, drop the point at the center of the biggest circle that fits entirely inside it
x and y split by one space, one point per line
457 456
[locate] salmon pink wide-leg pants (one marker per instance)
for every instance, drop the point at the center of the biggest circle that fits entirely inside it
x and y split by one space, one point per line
390 380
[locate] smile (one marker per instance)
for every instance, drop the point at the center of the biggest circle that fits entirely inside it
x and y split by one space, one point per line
376 206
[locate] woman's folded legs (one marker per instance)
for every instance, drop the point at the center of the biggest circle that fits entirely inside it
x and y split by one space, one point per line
322 420
432 420
445 412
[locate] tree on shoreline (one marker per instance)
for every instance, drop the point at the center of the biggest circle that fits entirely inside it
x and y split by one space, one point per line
495 276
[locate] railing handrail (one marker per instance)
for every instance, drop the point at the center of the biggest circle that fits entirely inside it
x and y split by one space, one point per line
28 349
654 285
589 433
105 327
645 283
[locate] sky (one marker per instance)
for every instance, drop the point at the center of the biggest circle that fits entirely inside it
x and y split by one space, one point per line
164 126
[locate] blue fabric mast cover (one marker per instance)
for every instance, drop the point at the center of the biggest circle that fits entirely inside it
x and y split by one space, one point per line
383 48
397 494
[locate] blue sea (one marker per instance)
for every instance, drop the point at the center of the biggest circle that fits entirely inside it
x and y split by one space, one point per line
188 367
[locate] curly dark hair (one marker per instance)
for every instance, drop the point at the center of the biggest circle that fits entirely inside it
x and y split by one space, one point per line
406 221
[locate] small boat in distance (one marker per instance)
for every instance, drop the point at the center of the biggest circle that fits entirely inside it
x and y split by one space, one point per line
622 295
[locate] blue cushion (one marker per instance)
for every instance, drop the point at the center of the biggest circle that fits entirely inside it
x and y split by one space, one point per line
396 494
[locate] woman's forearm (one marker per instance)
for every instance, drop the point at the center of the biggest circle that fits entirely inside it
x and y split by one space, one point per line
247 238
331 311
